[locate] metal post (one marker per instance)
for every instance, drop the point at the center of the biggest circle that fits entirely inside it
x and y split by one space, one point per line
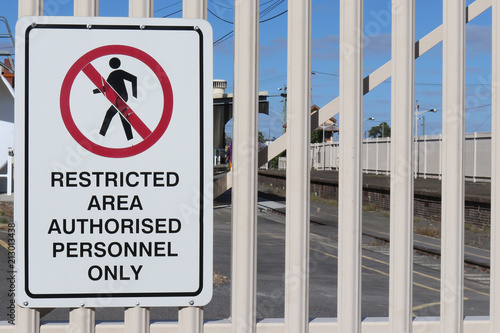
82 320
401 221
351 111
415 139
191 318
30 8
244 195
137 320
324 151
298 171
141 8
194 9
9 170
28 320
495 172
452 258
86 8
474 175
425 156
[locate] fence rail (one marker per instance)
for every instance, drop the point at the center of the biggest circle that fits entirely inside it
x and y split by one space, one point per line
376 154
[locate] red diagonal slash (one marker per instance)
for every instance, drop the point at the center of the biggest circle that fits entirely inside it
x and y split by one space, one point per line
116 100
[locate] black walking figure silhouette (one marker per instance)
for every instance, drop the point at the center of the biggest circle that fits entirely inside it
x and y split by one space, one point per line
116 80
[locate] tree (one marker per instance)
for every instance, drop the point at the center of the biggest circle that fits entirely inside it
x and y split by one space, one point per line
262 139
383 130
317 136
227 138
273 164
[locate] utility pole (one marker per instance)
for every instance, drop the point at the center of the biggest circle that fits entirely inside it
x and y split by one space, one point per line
284 95
423 125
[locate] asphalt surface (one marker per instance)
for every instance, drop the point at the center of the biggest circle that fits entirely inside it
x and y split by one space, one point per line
323 270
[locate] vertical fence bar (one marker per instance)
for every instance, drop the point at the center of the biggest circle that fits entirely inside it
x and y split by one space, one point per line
495 172
452 260
244 194
474 175
351 111
194 9
425 156
86 8
191 318
137 318
82 320
30 7
401 220
440 156
298 172
141 8
9 171
28 320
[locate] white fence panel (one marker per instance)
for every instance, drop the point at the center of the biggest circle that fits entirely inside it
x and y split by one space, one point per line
376 156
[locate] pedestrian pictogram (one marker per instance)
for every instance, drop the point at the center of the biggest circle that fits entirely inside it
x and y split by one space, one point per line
114 90
117 82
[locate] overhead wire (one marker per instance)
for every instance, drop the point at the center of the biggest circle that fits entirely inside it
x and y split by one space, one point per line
222 6
220 18
264 12
178 2
275 16
168 15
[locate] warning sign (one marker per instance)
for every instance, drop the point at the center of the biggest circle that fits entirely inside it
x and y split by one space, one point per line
114 168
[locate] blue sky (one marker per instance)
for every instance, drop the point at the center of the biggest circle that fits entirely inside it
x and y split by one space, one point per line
325 65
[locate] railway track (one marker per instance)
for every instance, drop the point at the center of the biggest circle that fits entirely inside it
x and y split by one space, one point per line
477 261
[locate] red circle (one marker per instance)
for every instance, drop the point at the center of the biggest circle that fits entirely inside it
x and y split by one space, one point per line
155 135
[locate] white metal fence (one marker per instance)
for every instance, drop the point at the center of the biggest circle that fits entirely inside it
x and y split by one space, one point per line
243 178
376 155
8 173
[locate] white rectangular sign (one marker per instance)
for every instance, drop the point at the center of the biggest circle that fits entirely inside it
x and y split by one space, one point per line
114 175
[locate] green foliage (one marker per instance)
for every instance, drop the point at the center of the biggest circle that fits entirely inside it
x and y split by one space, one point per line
273 164
262 139
383 130
317 136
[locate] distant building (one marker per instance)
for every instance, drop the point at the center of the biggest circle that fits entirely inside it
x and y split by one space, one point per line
329 127
7 74
223 110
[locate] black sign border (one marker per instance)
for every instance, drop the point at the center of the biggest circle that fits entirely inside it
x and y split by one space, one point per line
26 154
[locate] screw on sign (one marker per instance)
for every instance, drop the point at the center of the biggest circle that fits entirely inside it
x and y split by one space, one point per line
113 89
